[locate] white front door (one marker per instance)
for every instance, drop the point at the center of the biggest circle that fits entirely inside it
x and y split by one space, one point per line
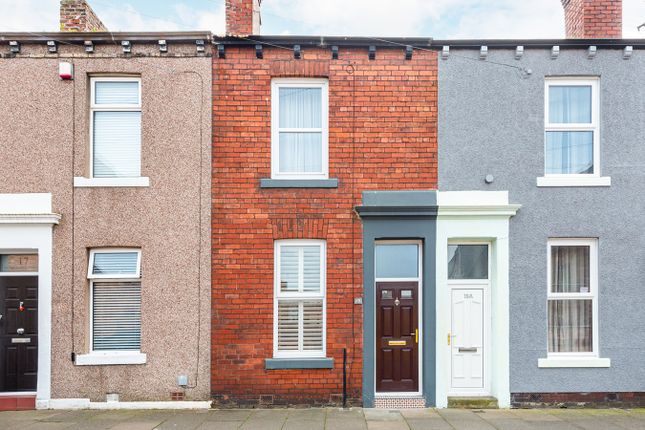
467 338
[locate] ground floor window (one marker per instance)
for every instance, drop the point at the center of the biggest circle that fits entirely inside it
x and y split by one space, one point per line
572 296
115 308
299 298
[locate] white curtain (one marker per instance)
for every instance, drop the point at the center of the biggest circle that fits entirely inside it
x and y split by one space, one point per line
569 151
570 320
300 151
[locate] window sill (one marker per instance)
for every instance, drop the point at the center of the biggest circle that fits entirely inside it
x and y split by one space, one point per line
553 362
574 181
110 358
299 183
81 182
298 363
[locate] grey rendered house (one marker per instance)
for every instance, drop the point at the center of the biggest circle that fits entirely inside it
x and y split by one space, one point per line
559 125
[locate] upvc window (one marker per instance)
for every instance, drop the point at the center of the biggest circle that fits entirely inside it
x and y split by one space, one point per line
572 297
299 301
572 137
115 127
115 299
299 129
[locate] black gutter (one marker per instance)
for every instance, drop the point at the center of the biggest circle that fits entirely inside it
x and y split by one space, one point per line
427 43
106 37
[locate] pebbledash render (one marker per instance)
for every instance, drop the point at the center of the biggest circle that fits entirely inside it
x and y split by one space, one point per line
104 217
559 126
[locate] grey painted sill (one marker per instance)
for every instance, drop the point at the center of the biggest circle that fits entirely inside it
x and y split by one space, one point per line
299 183
298 363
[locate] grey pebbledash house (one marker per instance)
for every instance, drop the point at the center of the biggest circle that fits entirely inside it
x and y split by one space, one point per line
560 126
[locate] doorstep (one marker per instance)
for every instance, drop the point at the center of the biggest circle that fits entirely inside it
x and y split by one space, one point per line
480 402
17 402
399 402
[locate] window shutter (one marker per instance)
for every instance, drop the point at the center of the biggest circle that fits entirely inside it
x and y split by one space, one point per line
311 269
116 310
289 268
288 326
117 144
115 263
312 325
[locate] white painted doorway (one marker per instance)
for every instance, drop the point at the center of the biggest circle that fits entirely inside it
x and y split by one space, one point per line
470 318
467 338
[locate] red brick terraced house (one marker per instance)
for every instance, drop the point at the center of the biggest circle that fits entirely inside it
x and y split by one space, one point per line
309 136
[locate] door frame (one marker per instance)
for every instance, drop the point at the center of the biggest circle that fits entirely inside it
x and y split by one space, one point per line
485 286
419 281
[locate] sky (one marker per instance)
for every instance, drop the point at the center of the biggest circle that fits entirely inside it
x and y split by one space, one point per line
439 19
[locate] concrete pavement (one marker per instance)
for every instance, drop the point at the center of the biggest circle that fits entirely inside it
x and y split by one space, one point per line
329 419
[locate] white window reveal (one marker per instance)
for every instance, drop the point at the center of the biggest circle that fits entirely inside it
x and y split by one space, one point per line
572 302
115 307
115 133
299 305
572 137
299 129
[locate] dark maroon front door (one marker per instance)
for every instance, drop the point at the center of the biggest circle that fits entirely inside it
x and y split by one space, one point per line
397 356
18 333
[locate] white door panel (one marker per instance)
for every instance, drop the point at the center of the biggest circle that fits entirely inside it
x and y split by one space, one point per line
467 338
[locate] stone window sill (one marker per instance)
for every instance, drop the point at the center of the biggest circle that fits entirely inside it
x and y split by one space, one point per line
574 181
298 183
557 362
298 363
110 358
81 182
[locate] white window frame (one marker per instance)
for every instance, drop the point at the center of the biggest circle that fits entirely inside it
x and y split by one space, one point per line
110 108
575 179
278 83
105 357
299 297
592 294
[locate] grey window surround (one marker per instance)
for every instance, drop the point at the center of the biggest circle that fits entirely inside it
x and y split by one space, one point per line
298 363
298 183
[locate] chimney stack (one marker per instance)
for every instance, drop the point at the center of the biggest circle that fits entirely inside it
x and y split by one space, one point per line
243 17
77 15
593 19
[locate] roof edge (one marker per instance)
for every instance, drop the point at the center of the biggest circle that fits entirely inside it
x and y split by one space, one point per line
105 36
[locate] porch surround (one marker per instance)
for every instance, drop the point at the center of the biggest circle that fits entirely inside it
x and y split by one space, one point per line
390 215
26 224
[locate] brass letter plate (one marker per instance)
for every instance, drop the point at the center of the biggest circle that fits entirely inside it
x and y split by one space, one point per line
397 343
20 340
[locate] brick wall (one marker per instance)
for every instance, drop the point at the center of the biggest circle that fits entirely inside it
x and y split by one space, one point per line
382 135
77 15
242 17
593 18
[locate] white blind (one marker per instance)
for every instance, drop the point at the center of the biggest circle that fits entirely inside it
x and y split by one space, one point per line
117 144
115 263
312 325
116 92
116 320
288 325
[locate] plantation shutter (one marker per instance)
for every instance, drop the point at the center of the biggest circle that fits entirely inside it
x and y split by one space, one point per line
116 321
300 303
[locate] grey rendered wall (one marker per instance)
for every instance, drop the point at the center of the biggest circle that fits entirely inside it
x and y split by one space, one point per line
491 121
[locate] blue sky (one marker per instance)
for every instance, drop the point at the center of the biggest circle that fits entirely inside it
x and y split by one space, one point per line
425 18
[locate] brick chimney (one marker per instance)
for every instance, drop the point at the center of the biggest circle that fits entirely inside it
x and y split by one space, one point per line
243 17
77 15
593 19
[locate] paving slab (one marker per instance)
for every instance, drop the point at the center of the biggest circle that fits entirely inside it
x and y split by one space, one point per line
310 419
465 419
344 419
229 415
266 419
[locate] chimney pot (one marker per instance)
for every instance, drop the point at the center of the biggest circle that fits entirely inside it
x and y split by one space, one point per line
593 19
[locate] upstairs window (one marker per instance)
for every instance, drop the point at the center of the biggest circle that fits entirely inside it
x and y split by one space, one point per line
299 304
571 127
115 290
299 129
115 124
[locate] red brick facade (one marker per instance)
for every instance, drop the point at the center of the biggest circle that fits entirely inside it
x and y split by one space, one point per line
77 15
588 19
382 136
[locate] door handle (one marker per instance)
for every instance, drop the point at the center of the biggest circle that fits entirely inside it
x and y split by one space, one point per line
20 331
416 335
471 349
